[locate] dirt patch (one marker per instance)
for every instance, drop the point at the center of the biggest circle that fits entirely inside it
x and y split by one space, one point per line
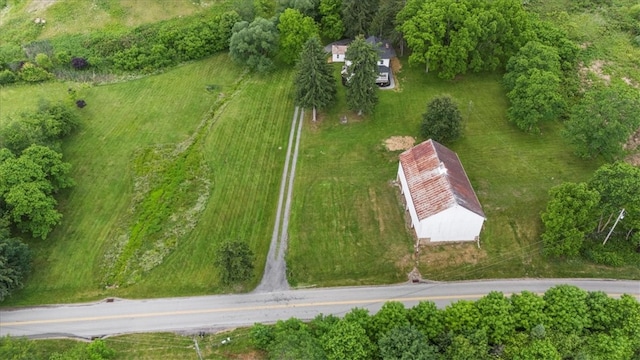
38 5
396 67
396 143
633 145
444 255
630 82
596 69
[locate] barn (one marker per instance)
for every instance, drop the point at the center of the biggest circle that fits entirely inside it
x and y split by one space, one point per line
438 195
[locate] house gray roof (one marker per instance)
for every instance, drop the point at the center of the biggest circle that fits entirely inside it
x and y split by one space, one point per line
436 180
384 47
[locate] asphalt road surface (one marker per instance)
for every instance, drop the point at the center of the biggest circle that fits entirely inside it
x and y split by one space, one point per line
214 313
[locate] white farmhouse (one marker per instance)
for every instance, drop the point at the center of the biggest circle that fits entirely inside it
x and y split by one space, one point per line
439 197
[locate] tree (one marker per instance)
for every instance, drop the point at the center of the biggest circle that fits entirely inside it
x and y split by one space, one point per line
569 216
383 23
461 317
295 29
234 260
15 262
427 318
528 311
357 16
603 120
538 349
347 340
255 44
315 84
618 185
406 343
496 317
361 76
27 185
392 315
534 55
442 121
566 309
264 8
535 97
331 25
473 346
292 340
306 7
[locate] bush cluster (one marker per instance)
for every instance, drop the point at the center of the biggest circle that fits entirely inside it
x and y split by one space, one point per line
148 47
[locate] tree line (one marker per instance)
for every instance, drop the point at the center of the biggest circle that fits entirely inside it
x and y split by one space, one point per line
564 323
32 172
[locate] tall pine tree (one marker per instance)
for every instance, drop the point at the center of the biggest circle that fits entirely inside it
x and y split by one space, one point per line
315 84
362 74
357 16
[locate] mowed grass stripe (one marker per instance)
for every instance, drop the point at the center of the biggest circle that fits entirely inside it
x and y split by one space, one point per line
242 153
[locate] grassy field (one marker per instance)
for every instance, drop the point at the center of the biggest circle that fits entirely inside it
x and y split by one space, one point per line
81 16
239 145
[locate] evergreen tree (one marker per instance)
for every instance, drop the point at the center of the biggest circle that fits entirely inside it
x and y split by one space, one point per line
361 76
315 84
357 16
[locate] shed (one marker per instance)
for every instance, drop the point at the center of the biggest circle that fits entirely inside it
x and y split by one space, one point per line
439 197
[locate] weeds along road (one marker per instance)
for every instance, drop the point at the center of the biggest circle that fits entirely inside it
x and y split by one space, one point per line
214 313
275 269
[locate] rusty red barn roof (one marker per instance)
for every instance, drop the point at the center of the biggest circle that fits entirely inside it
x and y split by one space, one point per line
437 180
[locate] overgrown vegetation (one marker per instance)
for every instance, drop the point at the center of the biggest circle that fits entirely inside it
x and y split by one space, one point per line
565 323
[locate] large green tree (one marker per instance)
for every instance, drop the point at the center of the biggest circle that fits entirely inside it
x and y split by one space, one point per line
347 340
535 97
357 16
442 121
618 185
295 29
331 25
254 45
361 76
406 343
496 317
566 309
427 318
15 262
603 120
27 186
315 84
569 216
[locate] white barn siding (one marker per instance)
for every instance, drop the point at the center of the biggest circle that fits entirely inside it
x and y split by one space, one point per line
453 224
407 196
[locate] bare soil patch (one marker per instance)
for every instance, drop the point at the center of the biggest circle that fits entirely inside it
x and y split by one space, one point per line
396 67
38 5
633 145
443 255
396 143
630 82
596 69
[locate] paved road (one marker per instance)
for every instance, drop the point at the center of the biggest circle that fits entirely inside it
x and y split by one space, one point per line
212 313
275 269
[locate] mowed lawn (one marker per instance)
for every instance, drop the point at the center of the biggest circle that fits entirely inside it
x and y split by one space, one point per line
348 223
241 149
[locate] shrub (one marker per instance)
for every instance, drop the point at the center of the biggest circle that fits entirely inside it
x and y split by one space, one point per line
442 121
81 103
33 73
7 77
79 63
63 57
43 61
